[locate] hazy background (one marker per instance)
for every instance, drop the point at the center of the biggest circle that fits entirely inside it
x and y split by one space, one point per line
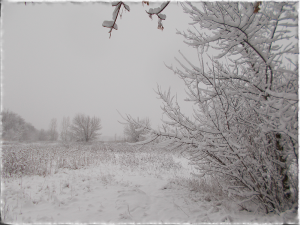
58 61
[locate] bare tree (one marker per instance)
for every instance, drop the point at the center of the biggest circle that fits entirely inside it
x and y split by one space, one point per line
85 128
13 125
44 135
53 130
134 132
15 128
65 133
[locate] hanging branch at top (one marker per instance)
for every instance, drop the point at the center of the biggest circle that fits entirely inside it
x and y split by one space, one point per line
112 24
156 11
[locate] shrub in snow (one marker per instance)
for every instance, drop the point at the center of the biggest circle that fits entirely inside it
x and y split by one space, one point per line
134 132
53 130
244 129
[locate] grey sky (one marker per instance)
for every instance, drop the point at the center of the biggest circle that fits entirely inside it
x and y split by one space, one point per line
58 61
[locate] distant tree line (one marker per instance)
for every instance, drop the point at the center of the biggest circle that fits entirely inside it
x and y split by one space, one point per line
83 128
14 128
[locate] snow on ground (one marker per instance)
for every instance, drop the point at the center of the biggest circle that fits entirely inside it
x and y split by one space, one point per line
110 193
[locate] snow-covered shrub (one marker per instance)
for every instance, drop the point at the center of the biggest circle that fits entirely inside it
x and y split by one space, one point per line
134 133
245 124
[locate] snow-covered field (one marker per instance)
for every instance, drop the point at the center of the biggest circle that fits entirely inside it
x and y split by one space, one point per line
111 183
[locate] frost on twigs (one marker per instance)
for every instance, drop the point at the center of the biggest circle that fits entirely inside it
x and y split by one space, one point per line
118 4
160 26
157 11
136 131
244 129
112 24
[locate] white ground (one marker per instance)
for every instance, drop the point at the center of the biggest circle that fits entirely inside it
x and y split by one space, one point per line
110 194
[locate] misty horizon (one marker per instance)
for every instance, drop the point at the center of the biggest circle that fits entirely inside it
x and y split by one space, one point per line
58 61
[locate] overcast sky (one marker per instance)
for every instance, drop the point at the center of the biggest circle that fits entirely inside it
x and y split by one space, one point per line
58 61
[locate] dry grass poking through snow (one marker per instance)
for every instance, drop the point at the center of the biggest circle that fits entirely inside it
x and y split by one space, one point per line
107 183
43 160
21 162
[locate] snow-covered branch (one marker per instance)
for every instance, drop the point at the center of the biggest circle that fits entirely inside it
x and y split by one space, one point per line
111 24
245 123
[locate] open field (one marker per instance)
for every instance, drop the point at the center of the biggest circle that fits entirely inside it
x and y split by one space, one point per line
112 183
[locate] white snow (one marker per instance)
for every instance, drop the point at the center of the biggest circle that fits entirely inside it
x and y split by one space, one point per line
162 16
163 4
116 191
115 13
109 24
126 7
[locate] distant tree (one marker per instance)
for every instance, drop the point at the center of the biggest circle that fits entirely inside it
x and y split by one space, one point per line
31 133
85 128
14 128
44 135
53 130
65 133
134 132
